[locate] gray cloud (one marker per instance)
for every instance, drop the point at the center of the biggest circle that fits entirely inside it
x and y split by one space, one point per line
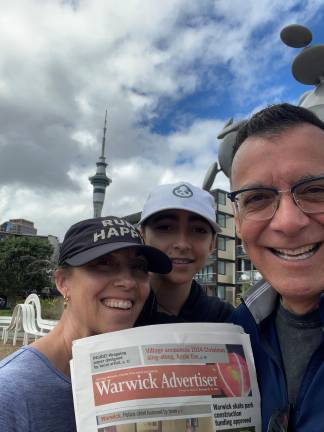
63 63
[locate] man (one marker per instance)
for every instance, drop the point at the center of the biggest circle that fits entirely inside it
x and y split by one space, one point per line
180 220
277 179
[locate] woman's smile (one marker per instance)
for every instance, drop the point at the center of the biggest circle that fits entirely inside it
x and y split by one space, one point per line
113 303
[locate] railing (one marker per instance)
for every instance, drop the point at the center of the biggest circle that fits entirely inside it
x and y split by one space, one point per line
248 276
206 279
213 278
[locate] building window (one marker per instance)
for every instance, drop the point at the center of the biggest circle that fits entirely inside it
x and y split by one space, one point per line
221 292
221 219
221 267
246 264
206 274
221 243
210 274
221 198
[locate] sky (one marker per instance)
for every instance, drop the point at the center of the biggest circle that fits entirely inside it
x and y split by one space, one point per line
170 73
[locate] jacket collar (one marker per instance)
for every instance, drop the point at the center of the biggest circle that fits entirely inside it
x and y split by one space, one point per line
260 300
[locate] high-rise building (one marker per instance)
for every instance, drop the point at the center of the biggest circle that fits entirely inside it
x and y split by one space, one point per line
229 271
19 226
100 180
246 274
219 275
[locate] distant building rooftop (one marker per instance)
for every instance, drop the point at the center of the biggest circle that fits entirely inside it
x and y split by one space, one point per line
19 226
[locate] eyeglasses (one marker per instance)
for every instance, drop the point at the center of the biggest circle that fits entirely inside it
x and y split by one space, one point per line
261 203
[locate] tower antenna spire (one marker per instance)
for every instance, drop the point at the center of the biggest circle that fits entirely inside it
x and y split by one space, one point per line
104 137
100 181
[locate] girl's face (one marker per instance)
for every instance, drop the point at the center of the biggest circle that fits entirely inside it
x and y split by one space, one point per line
106 294
185 237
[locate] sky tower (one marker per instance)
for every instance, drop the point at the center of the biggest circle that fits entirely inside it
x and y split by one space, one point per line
100 180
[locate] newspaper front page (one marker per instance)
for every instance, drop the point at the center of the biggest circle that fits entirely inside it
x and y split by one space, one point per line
166 378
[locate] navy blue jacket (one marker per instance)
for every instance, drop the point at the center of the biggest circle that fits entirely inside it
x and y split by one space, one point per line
256 316
199 307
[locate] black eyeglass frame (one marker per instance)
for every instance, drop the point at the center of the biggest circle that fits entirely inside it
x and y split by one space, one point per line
232 195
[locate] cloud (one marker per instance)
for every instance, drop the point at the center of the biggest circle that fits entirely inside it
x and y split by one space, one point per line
63 63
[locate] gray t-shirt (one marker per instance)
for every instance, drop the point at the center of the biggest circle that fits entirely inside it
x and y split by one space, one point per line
34 396
299 336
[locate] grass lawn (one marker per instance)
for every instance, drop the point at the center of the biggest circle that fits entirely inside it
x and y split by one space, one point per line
5 312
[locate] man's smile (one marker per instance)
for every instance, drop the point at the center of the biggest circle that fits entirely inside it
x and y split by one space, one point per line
300 253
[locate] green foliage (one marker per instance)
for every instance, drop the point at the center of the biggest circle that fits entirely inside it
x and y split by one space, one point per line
22 265
244 287
52 308
241 289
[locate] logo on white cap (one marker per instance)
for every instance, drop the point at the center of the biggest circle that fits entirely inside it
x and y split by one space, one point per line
182 191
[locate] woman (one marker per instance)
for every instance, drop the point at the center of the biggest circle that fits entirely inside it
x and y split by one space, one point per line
103 278
180 220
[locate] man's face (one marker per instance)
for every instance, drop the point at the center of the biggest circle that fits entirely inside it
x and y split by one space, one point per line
288 248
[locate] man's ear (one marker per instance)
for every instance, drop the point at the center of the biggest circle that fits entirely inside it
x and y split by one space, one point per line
238 226
62 277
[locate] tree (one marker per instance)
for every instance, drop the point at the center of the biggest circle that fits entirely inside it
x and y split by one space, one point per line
19 257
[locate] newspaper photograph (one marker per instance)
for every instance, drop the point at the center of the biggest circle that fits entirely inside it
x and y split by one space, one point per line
167 378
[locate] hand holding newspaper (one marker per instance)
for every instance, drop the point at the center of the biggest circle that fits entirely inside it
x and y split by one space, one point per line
166 378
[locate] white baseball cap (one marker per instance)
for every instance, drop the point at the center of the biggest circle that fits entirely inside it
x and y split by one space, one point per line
181 196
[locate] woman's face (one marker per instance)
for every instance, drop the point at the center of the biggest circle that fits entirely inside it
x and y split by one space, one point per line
106 294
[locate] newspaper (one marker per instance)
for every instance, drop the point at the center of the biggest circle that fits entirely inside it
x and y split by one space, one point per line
166 378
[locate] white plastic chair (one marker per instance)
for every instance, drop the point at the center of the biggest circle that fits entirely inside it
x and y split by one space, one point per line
13 326
43 325
4 322
29 323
